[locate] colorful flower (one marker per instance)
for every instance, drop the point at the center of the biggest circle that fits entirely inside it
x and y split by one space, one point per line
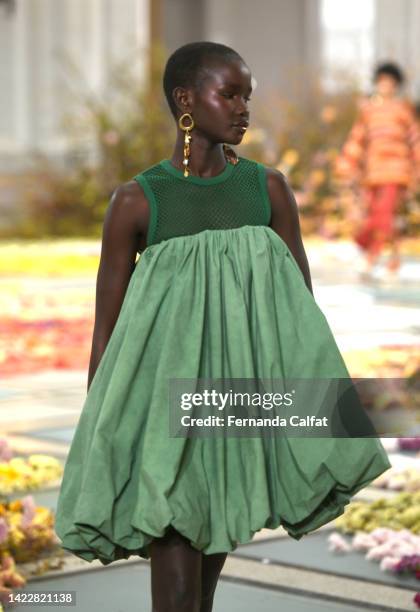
111 138
290 157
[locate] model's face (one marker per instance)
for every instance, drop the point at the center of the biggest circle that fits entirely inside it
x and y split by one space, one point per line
221 101
386 85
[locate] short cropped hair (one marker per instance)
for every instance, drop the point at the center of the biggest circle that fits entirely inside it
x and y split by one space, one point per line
390 69
186 67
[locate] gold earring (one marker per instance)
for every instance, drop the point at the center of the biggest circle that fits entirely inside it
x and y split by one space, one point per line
230 154
187 129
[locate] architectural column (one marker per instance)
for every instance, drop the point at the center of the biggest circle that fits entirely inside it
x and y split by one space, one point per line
99 59
21 113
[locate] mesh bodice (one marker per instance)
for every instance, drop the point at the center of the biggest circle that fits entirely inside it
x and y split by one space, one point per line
187 205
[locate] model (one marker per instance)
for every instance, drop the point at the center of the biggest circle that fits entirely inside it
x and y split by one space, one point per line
222 290
382 156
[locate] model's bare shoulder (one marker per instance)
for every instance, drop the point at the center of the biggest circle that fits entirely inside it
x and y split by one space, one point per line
274 175
281 196
130 198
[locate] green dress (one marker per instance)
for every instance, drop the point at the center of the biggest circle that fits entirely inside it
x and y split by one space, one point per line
216 294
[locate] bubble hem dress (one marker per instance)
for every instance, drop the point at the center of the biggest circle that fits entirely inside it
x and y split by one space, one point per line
228 303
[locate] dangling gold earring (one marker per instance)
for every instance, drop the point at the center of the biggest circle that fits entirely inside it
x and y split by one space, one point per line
230 154
187 129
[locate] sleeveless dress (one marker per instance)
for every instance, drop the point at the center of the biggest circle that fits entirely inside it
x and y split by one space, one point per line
216 294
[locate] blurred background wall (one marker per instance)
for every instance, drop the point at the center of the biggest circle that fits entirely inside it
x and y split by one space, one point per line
54 51
50 52
397 35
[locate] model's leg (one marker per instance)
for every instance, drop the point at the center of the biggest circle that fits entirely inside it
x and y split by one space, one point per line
364 235
379 227
211 567
175 574
394 260
386 206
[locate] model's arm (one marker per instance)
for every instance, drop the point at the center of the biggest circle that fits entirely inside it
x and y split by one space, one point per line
414 142
121 233
285 219
348 165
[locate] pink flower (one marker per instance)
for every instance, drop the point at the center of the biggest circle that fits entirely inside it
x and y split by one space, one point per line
111 138
320 158
408 536
6 452
382 534
4 530
28 510
363 541
403 549
389 563
380 552
409 443
337 543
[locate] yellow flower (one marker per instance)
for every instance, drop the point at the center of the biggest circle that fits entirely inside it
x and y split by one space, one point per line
329 204
42 516
43 461
16 537
316 177
19 474
290 157
16 506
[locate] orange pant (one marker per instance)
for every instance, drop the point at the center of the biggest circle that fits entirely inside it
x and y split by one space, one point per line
378 228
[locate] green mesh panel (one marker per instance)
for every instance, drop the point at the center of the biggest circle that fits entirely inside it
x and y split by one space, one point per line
181 207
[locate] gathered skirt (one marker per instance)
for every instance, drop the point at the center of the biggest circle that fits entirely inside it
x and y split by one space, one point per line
217 304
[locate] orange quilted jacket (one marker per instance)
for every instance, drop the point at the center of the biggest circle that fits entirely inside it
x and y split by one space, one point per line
383 145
